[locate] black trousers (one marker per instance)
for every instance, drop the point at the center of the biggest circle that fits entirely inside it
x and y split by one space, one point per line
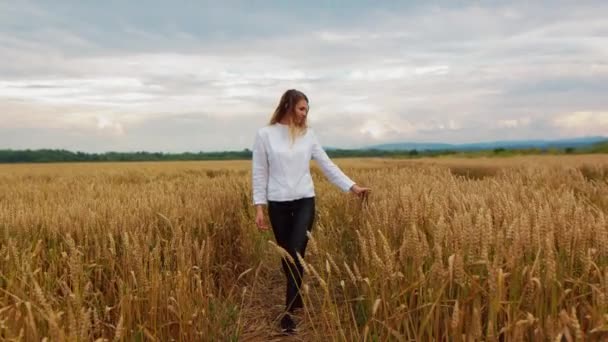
290 220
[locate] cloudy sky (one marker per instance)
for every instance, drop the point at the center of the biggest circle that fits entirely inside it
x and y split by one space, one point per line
204 75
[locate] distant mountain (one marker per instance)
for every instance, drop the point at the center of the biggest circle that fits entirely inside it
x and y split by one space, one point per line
513 144
412 146
601 146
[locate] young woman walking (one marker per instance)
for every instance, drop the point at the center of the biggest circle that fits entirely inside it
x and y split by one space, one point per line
282 182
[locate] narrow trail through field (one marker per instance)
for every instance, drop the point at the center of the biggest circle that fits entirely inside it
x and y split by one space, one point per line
264 304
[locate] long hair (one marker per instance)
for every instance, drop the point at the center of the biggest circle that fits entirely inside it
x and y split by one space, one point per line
287 106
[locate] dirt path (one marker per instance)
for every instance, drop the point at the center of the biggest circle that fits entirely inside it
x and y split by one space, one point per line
264 305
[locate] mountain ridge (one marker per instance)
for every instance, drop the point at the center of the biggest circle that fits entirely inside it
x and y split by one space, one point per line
529 143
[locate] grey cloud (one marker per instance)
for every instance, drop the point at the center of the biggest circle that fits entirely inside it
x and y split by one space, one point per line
367 61
193 132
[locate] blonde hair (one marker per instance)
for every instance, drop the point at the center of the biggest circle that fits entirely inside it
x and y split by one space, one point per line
287 105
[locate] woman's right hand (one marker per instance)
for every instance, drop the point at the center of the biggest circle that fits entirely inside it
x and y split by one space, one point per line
259 219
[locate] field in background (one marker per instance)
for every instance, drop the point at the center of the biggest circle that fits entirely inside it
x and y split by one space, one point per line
492 248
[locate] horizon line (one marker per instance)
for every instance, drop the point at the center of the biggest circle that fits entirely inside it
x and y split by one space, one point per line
368 147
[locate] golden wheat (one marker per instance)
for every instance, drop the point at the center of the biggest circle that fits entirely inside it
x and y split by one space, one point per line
445 249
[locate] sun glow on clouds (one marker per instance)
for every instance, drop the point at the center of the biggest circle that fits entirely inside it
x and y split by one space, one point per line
396 128
514 123
106 124
374 129
583 122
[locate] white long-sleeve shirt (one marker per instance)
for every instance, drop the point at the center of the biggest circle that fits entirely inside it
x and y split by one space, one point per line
281 172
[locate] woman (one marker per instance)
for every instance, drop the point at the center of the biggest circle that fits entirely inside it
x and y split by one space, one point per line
282 181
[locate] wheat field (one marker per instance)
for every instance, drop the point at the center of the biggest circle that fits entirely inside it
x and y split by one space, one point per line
444 249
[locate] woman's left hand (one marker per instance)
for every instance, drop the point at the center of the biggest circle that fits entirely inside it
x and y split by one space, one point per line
360 191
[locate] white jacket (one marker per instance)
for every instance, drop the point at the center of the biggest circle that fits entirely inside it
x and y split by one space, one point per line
282 173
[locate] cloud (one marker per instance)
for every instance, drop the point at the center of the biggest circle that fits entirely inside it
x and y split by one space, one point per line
583 123
401 72
514 123
104 123
381 73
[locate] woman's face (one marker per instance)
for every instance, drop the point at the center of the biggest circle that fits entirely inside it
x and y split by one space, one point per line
300 111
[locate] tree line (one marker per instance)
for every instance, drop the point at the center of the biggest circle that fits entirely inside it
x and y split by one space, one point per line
61 155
